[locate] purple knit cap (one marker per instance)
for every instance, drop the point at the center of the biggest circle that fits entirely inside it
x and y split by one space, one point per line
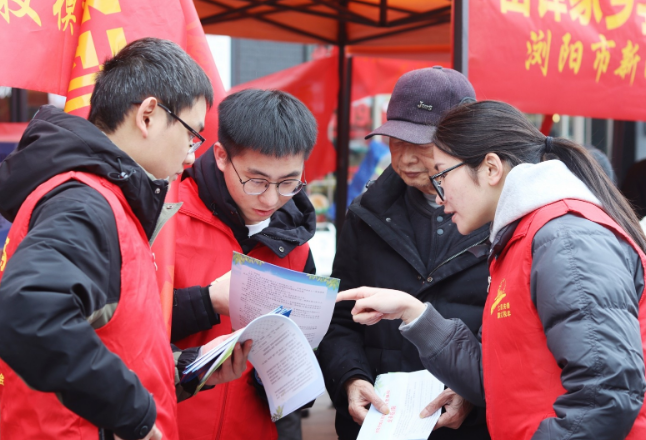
419 100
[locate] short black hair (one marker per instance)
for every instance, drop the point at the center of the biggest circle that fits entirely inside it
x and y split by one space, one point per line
144 68
271 122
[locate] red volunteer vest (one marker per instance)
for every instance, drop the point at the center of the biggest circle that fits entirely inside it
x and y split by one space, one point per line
135 333
521 377
204 252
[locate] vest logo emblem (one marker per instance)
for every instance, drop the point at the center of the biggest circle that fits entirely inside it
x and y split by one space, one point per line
3 261
502 308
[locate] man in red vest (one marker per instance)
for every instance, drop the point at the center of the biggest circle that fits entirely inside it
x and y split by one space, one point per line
84 348
244 195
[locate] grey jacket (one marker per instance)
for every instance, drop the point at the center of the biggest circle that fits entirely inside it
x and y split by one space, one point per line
591 326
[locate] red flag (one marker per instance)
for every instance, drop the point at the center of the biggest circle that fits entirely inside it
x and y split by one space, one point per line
58 46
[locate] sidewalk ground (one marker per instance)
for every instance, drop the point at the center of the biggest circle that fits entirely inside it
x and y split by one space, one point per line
320 424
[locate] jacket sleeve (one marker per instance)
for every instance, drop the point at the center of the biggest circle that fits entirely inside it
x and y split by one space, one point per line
450 351
310 267
586 284
341 354
183 358
52 284
192 312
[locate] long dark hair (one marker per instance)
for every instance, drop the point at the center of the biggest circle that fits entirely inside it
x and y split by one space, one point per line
471 131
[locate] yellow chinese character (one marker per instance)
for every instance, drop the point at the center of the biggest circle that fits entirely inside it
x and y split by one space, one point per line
573 52
69 14
629 61
614 21
555 6
520 6
3 260
1 379
641 11
538 50
24 9
603 55
509 313
498 315
582 9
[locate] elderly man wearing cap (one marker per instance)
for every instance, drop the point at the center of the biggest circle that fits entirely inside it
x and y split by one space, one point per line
396 236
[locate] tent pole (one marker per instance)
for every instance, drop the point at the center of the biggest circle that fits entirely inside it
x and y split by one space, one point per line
342 138
461 36
18 105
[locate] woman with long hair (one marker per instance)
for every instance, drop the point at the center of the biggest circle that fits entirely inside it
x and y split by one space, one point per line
562 348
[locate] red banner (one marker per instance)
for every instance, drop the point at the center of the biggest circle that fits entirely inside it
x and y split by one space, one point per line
575 57
58 46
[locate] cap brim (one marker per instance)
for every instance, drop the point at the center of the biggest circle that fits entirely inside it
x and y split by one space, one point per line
406 131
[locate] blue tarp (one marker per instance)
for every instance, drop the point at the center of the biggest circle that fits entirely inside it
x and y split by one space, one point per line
376 151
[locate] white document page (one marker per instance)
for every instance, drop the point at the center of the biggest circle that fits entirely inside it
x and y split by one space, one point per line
258 288
285 363
406 395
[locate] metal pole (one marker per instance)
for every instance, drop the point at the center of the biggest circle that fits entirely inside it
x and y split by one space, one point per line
461 36
342 138
623 147
18 105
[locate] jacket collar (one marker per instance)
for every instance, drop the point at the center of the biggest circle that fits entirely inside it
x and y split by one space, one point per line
530 186
384 192
56 142
292 225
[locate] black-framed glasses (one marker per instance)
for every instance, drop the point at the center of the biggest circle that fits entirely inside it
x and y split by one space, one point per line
197 140
437 184
195 144
255 187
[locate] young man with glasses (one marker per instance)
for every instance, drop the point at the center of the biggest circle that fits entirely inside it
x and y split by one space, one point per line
244 194
397 237
81 329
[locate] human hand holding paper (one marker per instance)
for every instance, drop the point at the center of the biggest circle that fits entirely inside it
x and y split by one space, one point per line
405 395
233 367
361 394
457 409
281 355
374 304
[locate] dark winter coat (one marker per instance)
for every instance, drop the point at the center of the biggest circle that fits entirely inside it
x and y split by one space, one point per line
73 244
378 247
